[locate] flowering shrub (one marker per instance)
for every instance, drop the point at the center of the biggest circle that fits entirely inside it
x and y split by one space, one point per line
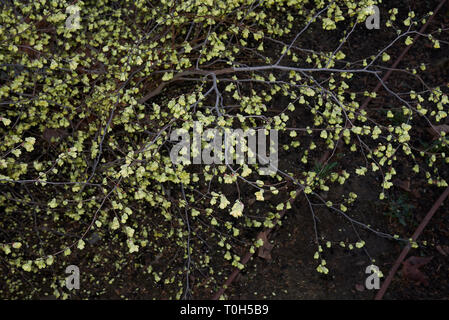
86 115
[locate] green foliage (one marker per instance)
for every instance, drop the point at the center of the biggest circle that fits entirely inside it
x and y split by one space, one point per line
399 208
324 170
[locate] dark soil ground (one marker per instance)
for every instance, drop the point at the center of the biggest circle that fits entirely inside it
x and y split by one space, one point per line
291 273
